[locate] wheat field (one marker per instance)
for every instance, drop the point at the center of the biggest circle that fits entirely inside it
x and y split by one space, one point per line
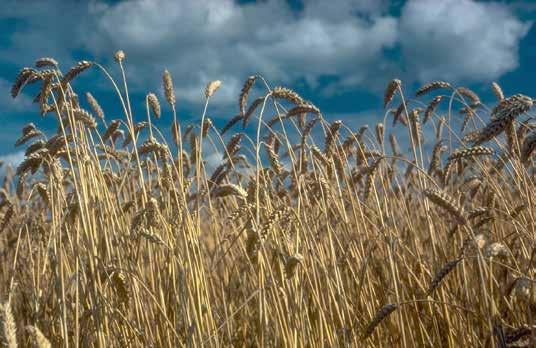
303 233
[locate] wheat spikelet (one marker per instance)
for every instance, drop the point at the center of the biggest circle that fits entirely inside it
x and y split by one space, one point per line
491 130
497 90
523 130
273 159
512 107
291 263
471 186
233 145
416 130
27 136
119 133
347 145
169 91
151 145
390 91
8 331
496 250
308 128
470 152
240 159
43 192
436 157
29 127
47 74
253 241
276 216
287 94
75 71
31 163
472 245
46 89
297 110
441 274
446 202
339 160
112 127
251 110
528 147
211 88
472 136
119 56
511 138
109 151
431 107
95 105
362 156
370 177
46 61
154 104
72 99
39 340
469 114
394 145
244 93
231 123
466 92
25 76
380 129
517 210
444 174
120 284
331 137
36 145
240 211
205 127
225 190
439 129
320 156
303 109
432 86
380 315
175 133
55 144
400 114
194 148
219 174
474 213
517 334
151 213
361 132
525 289
85 117
137 128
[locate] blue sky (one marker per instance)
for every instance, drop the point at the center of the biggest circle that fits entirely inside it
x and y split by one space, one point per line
339 54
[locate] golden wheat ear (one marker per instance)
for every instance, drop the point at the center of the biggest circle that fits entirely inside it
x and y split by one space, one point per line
379 316
8 329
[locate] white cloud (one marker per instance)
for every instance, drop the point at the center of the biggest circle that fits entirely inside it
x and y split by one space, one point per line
14 158
460 40
7 104
219 39
10 160
203 40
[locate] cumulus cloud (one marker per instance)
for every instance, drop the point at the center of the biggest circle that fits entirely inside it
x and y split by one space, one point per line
460 40
8 104
10 160
342 40
220 39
